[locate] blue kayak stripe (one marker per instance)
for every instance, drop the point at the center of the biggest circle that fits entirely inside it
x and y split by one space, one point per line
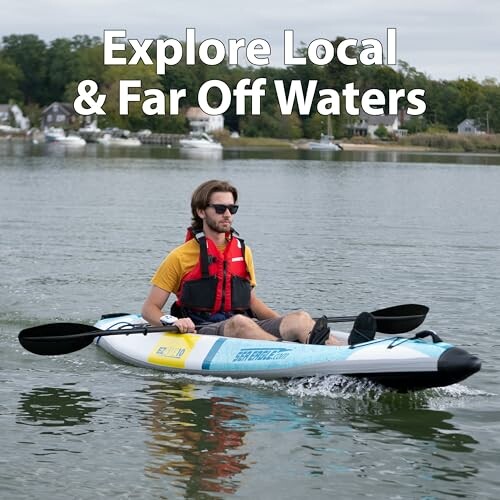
211 354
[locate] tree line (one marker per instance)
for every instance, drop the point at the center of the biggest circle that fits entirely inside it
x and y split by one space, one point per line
34 74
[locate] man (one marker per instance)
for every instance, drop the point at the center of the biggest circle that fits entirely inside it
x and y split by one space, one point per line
213 278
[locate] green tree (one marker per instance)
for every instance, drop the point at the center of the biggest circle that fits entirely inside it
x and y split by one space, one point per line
314 126
264 125
382 78
414 79
80 42
289 126
491 90
337 75
29 54
34 112
445 105
136 119
416 124
61 67
10 79
89 63
381 132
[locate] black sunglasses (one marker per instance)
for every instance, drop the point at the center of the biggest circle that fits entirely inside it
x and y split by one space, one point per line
221 209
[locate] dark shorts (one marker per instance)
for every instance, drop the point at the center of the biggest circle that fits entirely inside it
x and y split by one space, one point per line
271 326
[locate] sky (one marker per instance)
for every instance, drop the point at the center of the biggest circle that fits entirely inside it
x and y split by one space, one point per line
445 39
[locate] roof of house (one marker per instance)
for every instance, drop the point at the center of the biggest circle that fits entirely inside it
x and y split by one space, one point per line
469 122
194 113
377 119
364 120
66 107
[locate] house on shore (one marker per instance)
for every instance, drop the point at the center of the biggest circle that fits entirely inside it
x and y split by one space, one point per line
60 115
468 126
11 116
365 125
63 115
199 121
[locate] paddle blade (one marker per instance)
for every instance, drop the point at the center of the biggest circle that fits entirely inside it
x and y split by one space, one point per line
400 319
50 339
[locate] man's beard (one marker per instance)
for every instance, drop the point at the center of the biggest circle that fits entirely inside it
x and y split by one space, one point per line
216 227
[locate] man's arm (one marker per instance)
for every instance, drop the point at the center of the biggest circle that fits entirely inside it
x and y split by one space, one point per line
261 310
152 308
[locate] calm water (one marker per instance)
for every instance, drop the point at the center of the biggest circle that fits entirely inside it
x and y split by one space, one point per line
81 232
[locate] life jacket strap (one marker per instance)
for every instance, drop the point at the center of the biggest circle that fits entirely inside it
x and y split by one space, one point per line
202 240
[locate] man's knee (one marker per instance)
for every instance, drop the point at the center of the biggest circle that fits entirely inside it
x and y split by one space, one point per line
302 318
237 325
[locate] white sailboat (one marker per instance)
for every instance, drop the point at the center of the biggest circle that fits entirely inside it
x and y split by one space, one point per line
325 142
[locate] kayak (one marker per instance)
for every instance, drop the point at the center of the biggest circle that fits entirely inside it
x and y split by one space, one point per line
400 363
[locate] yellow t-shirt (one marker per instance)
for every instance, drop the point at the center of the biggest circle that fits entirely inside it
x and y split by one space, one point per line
183 259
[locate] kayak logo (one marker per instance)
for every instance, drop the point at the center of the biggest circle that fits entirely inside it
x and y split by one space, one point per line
262 354
171 352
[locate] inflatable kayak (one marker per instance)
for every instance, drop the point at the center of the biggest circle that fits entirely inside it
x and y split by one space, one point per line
396 362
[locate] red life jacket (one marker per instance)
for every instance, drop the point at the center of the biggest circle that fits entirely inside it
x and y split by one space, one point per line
219 283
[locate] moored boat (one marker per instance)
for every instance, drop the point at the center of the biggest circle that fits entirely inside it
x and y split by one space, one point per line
55 135
200 141
325 144
396 362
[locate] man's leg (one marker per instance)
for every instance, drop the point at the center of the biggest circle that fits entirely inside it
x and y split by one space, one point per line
295 326
298 325
243 327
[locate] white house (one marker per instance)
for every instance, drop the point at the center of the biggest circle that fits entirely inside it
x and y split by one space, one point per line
12 116
468 126
199 121
366 125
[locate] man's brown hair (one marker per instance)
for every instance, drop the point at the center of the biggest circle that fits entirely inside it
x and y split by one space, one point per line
201 198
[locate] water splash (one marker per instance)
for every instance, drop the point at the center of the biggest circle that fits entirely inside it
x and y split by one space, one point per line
339 387
335 387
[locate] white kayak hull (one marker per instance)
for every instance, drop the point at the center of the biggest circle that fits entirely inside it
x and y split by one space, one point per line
397 362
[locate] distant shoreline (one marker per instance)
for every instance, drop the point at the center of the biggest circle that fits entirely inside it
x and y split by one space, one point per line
249 143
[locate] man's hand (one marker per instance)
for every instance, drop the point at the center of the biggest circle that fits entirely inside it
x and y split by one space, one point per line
185 325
